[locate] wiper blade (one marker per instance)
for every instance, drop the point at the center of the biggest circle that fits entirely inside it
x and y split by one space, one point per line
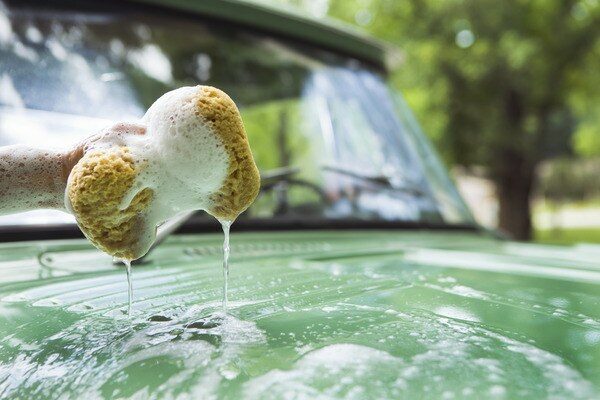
165 230
274 176
382 180
271 178
267 180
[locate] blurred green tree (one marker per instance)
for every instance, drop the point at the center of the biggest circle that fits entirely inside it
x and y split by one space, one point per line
501 84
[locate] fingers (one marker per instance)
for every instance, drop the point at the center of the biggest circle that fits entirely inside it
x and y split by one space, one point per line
125 128
113 135
69 160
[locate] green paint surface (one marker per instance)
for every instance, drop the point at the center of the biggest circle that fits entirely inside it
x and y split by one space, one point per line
353 314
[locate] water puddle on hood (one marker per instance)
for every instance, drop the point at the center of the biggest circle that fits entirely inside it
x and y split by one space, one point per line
193 349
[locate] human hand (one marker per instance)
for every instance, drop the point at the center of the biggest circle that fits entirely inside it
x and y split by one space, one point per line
111 136
32 178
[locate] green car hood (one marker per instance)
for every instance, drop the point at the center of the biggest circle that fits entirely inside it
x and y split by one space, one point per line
315 315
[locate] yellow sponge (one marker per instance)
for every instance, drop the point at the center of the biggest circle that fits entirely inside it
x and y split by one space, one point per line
97 185
242 183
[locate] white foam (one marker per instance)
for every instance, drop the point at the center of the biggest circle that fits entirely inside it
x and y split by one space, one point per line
338 371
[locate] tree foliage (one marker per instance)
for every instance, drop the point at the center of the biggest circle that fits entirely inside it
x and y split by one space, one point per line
485 72
502 84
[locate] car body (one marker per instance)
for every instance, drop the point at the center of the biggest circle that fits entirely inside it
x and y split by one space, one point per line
359 272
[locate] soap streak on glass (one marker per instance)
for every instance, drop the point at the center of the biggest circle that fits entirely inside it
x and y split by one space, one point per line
225 225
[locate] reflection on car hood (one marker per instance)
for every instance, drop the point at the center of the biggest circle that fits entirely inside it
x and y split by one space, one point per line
313 315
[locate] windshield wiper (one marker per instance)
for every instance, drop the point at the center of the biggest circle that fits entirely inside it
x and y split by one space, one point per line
382 180
268 180
274 176
271 178
165 230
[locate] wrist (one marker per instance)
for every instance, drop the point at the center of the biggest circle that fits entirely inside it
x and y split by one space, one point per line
68 160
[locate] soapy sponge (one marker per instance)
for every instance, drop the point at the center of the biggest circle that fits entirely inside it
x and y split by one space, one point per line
97 186
202 122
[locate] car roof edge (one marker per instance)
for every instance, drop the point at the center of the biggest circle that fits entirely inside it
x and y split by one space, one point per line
325 33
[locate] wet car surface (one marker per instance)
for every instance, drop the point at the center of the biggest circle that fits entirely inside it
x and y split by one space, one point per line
312 315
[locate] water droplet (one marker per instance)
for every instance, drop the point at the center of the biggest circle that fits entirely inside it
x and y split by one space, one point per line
159 318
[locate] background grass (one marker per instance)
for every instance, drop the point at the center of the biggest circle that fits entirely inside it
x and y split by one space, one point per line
568 236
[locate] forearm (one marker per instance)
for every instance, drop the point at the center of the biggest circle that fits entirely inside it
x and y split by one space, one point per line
31 178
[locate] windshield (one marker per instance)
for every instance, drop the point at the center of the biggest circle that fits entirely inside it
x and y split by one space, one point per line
331 139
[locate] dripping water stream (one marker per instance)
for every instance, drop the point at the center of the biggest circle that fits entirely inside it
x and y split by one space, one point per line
129 286
225 225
